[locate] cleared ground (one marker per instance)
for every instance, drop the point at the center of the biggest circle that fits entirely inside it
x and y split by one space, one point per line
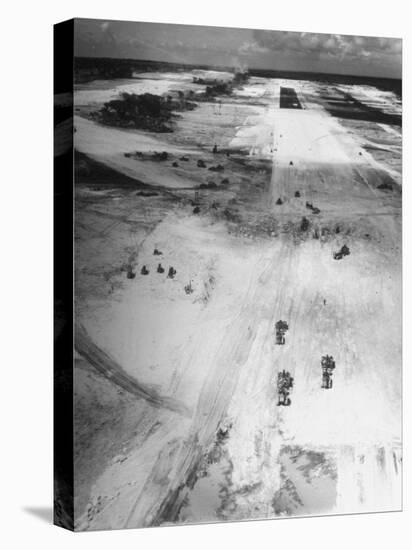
205 440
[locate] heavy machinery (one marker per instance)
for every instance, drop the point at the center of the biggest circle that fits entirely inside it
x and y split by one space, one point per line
189 288
328 366
344 251
284 386
281 328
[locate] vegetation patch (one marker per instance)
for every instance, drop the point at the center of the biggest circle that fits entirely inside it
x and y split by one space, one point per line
145 111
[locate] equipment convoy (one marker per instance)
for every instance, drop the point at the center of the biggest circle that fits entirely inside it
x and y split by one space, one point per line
285 380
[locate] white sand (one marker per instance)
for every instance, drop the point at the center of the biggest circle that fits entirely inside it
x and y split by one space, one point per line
218 356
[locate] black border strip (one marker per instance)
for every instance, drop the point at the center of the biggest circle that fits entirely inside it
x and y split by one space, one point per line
63 513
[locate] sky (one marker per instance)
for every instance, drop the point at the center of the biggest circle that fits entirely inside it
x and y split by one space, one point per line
246 48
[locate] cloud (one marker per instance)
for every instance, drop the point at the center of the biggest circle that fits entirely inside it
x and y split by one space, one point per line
284 50
251 47
335 46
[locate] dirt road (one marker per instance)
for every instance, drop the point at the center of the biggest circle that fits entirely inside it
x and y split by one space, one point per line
350 309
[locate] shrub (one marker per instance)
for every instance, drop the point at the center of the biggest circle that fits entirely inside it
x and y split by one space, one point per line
145 111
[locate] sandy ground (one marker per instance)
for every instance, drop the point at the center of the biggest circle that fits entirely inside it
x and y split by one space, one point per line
212 351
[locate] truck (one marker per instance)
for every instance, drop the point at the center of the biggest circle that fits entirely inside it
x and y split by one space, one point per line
284 387
281 328
328 366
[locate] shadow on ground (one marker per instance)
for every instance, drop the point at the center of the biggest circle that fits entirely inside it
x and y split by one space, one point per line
44 513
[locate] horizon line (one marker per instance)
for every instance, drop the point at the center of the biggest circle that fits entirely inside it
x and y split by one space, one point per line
227 67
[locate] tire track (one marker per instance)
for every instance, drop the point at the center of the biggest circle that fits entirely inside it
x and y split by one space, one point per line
111 370
176 480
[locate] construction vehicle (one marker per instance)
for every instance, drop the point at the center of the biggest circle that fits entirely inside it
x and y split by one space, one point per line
344 251
189 288
314 209
328 366
281 328
284 386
